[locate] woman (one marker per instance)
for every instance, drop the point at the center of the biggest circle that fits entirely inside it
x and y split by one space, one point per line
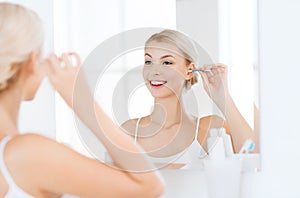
169 131
35 166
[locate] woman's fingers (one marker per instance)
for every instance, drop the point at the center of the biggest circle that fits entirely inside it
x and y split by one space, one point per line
51 64
208 70
212 70
214 74
221 68
67 60
70 60
77 58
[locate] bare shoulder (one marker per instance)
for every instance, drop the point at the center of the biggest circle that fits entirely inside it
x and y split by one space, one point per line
42 166
31 143
206 123
129 126
39 164
32 157
27 144
32 150
36 150
211 121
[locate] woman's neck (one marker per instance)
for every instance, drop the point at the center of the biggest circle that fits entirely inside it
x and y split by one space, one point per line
10 101
168 111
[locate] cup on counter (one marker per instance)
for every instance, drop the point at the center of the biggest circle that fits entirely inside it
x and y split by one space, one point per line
251 161
223 177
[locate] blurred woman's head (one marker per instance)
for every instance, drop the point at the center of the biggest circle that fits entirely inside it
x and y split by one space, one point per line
21 41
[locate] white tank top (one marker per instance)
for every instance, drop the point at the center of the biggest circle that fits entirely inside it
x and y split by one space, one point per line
191 156
14 191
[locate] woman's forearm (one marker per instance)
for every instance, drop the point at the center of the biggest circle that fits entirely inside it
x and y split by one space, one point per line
238 126
121 147
126 155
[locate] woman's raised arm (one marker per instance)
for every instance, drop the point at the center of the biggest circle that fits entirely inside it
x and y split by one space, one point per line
129 159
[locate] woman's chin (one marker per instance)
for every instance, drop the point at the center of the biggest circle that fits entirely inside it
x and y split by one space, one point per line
29 97
161 95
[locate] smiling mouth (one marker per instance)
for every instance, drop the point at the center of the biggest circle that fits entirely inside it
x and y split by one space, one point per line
157 83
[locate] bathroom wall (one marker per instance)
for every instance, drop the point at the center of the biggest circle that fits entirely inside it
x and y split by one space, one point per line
279 66
279 96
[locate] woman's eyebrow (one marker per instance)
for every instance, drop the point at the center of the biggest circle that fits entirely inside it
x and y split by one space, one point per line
146 54
166 56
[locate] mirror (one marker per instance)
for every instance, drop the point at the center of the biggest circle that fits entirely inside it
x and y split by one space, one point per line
225 32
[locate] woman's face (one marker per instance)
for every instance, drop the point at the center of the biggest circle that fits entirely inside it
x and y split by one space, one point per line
165 69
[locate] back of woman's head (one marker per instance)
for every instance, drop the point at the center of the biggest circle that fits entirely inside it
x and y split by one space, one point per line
185 45
21 33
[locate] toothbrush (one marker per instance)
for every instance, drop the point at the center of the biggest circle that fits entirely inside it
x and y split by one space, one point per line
247 146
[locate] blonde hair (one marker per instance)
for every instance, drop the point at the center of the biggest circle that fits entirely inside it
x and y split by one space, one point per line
183 43
21 33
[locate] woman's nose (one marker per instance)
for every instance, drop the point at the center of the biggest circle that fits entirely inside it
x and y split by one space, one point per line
156 68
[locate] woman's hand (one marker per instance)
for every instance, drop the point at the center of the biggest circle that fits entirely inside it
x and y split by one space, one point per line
63 74
215 83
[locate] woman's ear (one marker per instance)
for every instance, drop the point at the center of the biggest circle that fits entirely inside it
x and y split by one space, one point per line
190 75
30 65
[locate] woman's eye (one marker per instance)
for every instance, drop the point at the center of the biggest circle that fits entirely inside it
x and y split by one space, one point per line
148 62
167 63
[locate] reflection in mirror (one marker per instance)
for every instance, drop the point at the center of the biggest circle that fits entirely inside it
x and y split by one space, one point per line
226 32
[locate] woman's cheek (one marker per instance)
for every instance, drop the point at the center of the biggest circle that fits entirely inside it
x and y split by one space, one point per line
145 73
